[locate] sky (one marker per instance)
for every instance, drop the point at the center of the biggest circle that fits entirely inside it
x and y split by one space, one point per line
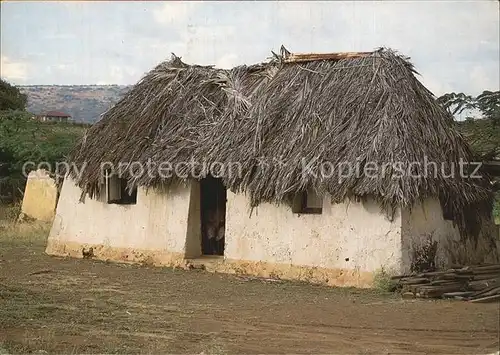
453 44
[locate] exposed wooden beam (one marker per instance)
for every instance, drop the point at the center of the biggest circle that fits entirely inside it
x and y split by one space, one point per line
308 57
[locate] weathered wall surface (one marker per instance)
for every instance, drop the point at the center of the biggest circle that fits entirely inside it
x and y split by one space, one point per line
40 196
158 222
422 221
345 245
352 239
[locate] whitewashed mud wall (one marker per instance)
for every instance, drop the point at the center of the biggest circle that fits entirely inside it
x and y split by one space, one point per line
40 196
156 225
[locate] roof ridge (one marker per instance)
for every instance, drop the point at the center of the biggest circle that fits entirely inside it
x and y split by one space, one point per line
307 57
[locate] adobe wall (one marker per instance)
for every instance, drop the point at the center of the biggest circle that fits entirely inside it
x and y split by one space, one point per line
154 229
344 245
40 196
424 224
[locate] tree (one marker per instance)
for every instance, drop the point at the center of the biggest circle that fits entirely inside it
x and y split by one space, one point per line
11 98
481 132
487 103
25 140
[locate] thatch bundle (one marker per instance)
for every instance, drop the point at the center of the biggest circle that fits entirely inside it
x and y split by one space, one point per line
158 120
277 118
191 119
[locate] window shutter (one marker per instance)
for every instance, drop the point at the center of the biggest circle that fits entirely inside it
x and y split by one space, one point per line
113 188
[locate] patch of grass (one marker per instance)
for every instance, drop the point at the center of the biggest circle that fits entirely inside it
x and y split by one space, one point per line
24 233
10 213
31 343
382 280
3 351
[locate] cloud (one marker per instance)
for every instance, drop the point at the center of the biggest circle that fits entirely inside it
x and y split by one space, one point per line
173 12
203 43
122 74
454 45
13 71
59 36
435 85
480 77
65 66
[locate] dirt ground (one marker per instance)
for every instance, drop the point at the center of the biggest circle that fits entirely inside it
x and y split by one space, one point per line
58 305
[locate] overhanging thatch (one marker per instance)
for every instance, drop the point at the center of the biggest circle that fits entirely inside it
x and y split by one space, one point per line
188 131
272 118
154 120
349 111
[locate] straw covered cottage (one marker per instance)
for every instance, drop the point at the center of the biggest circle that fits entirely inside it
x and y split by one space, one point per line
322 167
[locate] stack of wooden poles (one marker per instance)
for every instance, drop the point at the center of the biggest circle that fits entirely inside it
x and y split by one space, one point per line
470 283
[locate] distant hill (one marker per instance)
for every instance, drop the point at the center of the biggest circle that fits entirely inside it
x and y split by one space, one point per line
85 103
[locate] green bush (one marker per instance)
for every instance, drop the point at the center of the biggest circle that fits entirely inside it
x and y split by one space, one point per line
25 140
11 98
382 281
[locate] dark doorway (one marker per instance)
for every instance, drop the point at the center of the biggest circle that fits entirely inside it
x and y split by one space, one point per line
213 215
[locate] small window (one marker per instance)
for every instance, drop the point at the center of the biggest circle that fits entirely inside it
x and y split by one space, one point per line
116 191
308 203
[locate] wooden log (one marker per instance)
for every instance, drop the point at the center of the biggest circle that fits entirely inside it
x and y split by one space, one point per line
412 288
484 277
438 291
486 272
477 286
494 298
447 286
306 57
462 294
489 282
456 277
485 267
447 282
433 273
415 281
489 291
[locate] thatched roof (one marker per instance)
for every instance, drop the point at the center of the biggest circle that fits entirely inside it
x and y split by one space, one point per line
155 118
339 109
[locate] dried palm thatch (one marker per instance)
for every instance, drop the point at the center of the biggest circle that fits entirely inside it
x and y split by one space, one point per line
275 118
192 119
352 111
164 118
157 115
